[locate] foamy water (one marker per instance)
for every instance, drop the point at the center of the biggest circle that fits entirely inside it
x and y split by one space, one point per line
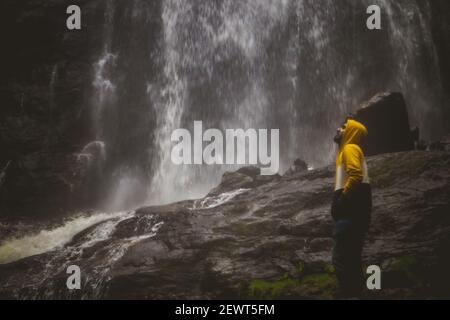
68 244
216 201
47 240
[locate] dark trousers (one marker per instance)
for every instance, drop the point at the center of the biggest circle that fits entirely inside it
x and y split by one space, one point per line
347 261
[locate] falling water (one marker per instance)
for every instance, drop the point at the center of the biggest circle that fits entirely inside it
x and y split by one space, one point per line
294 65
208 46
417 65
103 84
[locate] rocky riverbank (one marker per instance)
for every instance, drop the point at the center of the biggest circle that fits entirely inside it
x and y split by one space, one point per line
258 237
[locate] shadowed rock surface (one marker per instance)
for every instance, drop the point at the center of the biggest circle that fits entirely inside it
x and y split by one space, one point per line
258 239
386 118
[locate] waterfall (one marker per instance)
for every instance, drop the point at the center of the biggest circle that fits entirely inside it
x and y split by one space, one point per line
294 65
104 87
412 44
200 38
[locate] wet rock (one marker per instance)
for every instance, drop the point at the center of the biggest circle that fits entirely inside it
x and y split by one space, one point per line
299 166
441 145
250 171
232 181
273 241
246 177
386 118
421 145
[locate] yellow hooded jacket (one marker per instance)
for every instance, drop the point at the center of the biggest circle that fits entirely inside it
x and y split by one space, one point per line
352 179
351 166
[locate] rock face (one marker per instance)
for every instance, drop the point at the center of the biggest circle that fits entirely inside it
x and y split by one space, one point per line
386 118
258 239
442 145
299 166
44 121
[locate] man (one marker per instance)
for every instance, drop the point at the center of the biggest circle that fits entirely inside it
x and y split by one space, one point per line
351 208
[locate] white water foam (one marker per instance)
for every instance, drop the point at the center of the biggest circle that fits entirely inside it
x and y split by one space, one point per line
47 240
100 229
216 201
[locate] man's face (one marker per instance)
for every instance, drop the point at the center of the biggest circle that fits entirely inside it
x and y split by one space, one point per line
339 134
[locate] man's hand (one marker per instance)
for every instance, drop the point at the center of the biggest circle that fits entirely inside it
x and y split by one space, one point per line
339 208
341 202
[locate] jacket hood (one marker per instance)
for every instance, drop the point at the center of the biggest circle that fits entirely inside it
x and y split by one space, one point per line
354 133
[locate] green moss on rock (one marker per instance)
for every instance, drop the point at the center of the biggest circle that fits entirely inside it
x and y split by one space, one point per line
313 286
300 268
329 269
276 289
320 285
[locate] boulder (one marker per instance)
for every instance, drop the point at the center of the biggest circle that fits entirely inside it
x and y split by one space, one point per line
299 166
245 177
250 171
386 119
442 145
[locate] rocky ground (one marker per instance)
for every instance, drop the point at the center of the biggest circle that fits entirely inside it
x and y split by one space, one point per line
260 237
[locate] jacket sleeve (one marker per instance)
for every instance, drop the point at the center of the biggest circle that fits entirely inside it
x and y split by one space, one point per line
352 158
